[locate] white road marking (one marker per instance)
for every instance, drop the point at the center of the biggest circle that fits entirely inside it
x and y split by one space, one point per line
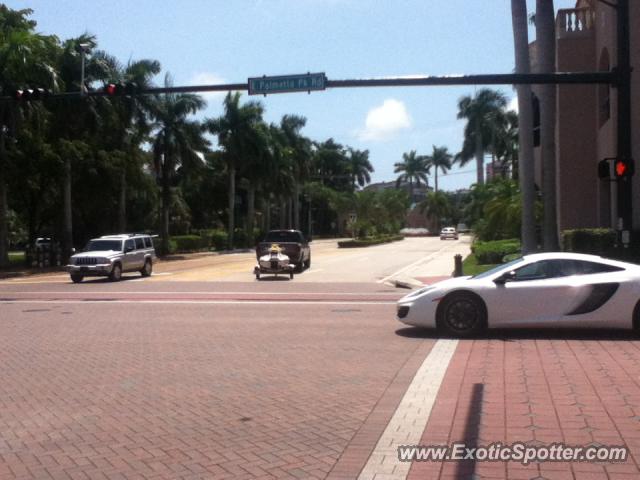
416 263
108 301
410 418
178 292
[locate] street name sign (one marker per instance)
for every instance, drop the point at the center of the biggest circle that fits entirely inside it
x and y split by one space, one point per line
287 83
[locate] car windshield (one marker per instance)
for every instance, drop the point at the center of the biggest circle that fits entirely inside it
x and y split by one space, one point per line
505 266
282 237
101 245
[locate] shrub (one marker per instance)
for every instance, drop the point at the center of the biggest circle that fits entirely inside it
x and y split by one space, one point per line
493 252
188 243
215 239
596 241
367 242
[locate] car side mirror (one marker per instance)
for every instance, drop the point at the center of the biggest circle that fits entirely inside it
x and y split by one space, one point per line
309 239
73 250
505 277
128 249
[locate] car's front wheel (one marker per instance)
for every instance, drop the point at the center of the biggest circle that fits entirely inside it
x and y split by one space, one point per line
462 314
116 273
76 278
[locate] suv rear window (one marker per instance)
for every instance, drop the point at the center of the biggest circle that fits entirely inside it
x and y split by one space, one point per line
295 237
139 243
147 242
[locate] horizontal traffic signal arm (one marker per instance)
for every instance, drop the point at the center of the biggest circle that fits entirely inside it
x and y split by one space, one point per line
486 79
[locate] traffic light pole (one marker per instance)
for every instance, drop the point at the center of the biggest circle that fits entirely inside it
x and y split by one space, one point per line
623 84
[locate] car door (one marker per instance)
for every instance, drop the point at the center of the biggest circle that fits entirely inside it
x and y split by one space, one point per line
129 258
539 294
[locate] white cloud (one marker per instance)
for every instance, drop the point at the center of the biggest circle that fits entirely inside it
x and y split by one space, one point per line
207 78
385 121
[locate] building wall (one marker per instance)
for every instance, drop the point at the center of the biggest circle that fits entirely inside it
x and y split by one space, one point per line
634 21
577 180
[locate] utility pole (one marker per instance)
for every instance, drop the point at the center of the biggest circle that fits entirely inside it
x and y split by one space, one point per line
623 73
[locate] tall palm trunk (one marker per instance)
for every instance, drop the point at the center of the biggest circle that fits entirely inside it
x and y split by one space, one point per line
545 34
479 155
525 137
283 213
67 234
251 212
436 179
296 205
267 213
166 202
4 228
232 203
122 203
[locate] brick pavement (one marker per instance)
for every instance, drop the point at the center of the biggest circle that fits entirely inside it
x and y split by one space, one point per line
192 391
577 388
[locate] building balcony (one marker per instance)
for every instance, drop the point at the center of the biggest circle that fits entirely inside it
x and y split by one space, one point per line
575 22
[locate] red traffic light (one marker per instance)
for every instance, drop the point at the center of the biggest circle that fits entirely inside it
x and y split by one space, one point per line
110 89
623 168
121 88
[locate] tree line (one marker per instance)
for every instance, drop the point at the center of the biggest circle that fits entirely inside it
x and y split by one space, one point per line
79 167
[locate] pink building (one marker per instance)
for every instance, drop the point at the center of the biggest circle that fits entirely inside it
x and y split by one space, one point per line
587 115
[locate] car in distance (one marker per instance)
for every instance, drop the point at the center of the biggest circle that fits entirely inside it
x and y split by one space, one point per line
111 255
448 232
293 244
541 290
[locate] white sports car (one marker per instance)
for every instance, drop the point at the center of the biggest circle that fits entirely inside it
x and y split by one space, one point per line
539 290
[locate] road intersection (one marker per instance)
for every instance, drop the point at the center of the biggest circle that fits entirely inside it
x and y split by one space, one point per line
202 372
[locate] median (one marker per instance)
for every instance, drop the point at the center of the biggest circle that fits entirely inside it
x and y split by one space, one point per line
369 241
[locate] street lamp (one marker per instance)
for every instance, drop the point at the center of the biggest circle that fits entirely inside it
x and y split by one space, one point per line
83 48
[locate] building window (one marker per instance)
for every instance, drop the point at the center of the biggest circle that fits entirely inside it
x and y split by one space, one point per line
604 91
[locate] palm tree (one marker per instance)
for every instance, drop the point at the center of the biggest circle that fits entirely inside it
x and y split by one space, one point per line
235 129
546 44
525 122
25 57
412 168
299 148
436 206
360 167
131 114
481 113
178 141
440 159
505 147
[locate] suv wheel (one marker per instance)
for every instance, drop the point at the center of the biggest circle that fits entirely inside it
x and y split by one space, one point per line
116 273
147 269
76 278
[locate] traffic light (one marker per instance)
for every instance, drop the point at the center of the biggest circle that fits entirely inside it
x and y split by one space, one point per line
121 88
29 94
623 167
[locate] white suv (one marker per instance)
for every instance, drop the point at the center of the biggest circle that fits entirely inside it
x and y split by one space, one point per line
448 232
111 255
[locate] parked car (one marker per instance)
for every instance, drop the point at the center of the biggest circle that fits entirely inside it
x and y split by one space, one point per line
111 255
448 232
293 244
542 290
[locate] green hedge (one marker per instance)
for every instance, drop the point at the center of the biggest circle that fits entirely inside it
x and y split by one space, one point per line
215 239
367 242
494 251
596 241
189 243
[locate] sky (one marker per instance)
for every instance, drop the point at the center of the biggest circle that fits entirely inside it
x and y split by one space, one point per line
227 41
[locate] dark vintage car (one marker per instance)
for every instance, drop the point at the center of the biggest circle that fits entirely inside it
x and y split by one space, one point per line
293 243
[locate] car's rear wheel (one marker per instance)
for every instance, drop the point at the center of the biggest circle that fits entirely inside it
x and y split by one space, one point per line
116 273
147 269
636 318
462 314
76 278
